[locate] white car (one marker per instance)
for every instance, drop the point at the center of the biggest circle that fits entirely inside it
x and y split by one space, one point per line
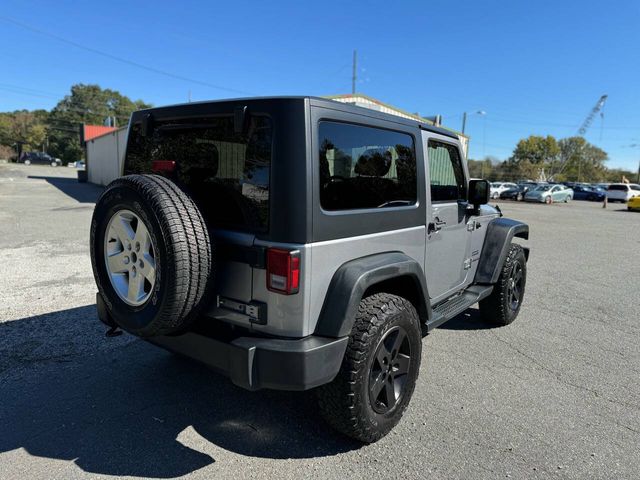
498 187
622 192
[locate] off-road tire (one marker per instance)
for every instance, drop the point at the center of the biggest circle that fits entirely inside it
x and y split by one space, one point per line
345 403
185 253
498 308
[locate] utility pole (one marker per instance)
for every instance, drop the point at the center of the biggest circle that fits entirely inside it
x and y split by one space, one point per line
354 74
464 121
189 96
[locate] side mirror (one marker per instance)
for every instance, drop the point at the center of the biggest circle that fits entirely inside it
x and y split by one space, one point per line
479 191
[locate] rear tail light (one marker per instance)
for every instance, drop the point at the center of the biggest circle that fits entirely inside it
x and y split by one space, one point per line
159 166
283 271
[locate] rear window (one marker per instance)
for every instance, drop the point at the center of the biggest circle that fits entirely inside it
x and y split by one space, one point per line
622 188
226 172
365 167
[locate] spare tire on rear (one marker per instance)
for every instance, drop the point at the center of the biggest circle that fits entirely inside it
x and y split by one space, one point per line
151 254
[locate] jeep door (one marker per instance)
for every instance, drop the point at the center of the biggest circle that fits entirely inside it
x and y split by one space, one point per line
448 239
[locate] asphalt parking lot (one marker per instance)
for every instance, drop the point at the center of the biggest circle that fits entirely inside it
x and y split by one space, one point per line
554 395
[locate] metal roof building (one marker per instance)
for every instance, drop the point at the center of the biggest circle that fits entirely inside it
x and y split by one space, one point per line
365 101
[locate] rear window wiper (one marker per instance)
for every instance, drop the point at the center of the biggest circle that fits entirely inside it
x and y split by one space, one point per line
395 203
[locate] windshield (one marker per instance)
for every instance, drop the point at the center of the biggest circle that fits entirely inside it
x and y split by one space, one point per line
542 188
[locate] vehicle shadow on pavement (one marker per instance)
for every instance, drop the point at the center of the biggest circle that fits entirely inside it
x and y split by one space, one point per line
119 406
81 192
470 319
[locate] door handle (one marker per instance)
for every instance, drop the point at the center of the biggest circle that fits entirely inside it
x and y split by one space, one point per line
435 226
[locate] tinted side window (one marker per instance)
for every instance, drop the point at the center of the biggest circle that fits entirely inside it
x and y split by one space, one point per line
446 173
365 167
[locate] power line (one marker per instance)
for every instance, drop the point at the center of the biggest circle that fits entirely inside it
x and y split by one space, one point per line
120 59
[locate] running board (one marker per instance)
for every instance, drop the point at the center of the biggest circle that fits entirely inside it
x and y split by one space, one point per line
458 304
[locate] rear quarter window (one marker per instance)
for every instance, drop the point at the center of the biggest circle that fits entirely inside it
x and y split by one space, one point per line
620 188
365 167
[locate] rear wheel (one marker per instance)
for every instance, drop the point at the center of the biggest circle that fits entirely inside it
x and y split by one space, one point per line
151 255
503 305
374 385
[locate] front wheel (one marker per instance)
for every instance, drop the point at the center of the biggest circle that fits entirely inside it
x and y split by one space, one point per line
548 200
503 305
379 370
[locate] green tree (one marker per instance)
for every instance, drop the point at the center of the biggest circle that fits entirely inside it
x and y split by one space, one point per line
537 150
88 104
531 157
23 126
580 161
481 168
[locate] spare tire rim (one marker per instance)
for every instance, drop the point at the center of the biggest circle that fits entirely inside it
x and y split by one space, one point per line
130 257
389 370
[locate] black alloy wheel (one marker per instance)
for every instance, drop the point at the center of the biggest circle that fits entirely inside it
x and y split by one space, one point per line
514 286
389 370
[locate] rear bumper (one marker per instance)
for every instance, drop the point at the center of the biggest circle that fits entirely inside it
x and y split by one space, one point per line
255 363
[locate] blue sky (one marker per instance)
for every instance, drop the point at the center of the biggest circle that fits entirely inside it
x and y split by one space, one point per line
533 67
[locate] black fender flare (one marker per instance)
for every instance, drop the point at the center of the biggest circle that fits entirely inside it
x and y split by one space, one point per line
497 241
352 279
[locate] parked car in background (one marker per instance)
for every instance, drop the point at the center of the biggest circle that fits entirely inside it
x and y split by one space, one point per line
517 193
634 203
603 186
39 158
622 192
498 187
549 194
593 194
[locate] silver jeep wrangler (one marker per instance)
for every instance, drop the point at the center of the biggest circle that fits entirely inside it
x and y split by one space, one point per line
296 243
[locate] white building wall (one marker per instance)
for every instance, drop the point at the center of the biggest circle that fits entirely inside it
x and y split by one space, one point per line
105 157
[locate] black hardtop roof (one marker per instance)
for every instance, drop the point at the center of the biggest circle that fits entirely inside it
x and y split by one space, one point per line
315 101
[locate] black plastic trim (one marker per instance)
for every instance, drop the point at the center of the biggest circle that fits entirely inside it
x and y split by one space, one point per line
352 280
500 233
452 307
254 363
255 255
